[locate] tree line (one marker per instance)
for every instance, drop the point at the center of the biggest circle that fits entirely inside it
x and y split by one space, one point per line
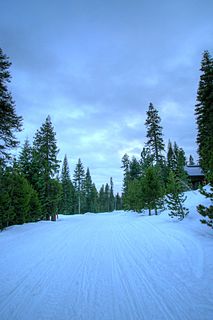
149 179
157 180
32 188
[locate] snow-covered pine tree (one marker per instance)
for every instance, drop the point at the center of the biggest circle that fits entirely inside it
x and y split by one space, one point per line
78 178
10 123
175 198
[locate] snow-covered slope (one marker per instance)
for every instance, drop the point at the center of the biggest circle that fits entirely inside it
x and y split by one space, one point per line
115 266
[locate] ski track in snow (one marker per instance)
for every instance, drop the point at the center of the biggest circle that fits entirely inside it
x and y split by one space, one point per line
114 266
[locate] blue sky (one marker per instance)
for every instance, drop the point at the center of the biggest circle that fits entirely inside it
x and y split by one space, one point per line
95 66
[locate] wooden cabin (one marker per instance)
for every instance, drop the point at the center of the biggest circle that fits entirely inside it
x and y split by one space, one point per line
196 175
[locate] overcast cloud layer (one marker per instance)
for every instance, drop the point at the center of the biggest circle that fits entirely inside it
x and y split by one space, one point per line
95 66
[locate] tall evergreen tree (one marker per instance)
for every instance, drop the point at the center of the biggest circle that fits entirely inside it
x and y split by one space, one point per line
67 194
191 161
102 199
204 114
94 199
25 161
118 202
10 123
111 197
46 167
88 185
126 168
134 169
146 159
204 117
107 197
154 133
78 177
151 189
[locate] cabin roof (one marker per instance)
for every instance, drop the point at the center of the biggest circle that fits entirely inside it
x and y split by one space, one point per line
194 171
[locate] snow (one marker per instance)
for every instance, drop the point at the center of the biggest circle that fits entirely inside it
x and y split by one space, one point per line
112 266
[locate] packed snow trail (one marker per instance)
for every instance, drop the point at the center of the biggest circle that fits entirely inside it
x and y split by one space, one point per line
118 266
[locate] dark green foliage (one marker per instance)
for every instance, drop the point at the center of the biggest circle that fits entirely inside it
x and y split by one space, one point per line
118 202
154 134
87 187
134 199
126 167
78 177
94 199
102 200
106 197
204 114
134 169
46 165
25 161
176 161
151 189
10 123
146 160
111 197
204 117
207 212
67 192
175 198
35 212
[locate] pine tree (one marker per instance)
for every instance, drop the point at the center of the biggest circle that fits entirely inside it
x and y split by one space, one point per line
67 195
111 197
204 114
25 161
175 197
102 199
10 123
134 169
106 196
191 161
94 199
146 159
88 185
79 176
171 162
118 202
151 189
6 210
126 168
46 167
154 134
207 212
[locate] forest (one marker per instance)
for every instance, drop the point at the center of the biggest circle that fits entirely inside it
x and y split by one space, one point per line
33 187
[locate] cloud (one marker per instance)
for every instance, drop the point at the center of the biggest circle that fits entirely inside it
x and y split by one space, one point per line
95 67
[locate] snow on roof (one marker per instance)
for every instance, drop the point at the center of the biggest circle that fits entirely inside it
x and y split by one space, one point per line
194 171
